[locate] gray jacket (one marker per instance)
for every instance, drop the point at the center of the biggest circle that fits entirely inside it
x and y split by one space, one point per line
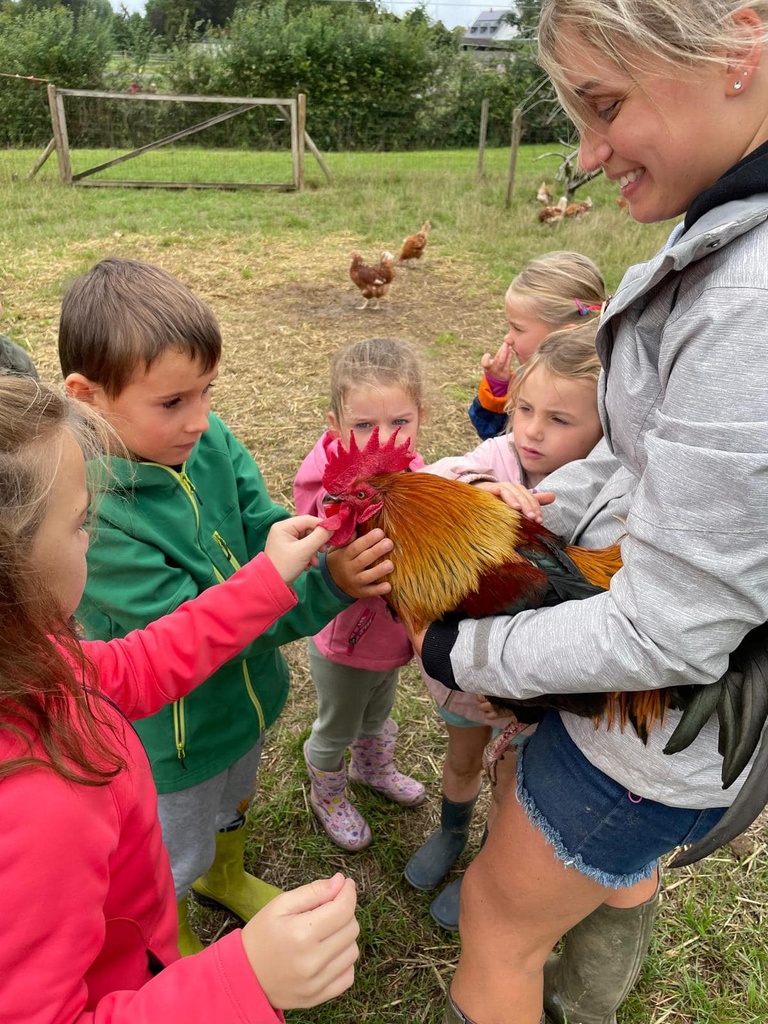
684 343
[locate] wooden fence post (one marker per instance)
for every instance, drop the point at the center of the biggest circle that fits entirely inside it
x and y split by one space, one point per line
59 123
301 109
517 125
483 135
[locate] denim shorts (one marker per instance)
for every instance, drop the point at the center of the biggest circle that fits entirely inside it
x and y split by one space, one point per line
594 824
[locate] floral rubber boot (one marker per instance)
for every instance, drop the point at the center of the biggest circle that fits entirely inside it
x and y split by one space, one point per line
340 818
373 764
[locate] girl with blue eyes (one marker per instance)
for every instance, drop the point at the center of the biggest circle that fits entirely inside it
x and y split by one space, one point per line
355 660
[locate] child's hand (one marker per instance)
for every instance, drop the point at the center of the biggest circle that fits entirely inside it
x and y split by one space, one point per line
292 545
488 709
519 498
498 366
353 570
302 946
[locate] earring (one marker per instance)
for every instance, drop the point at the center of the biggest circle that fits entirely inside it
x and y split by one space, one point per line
737 84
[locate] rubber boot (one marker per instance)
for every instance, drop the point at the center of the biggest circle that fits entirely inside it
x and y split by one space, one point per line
600 962
338 816
453 1015
445 906
188 941
373 764
226 883
430 865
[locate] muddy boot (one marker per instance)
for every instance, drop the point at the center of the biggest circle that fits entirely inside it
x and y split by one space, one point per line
452 1014
429 866
340 818
600 962
373 764
226 883
188 941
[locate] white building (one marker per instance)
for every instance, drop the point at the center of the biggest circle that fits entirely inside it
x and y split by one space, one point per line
489 34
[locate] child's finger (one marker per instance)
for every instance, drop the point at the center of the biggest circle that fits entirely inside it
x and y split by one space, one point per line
313 895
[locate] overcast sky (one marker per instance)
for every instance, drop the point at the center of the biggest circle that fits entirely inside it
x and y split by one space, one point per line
450 12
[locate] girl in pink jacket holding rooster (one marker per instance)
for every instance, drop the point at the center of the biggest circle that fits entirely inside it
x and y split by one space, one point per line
85 881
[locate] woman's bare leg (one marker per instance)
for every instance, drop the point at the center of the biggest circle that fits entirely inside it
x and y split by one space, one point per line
517 900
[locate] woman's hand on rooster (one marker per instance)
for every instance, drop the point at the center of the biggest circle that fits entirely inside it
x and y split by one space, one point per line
519 497
498 366
354 569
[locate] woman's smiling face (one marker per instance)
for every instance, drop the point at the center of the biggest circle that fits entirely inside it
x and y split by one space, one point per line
663 137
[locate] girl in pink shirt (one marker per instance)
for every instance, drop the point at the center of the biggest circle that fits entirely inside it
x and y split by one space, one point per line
85 880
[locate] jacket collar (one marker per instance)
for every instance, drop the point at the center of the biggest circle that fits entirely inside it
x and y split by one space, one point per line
712 231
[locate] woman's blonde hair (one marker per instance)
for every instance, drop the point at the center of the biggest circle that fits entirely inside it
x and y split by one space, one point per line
570 354
560 288
681 34
46 683
375 362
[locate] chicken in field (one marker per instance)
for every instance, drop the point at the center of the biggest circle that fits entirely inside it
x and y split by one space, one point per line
578 209
372 280
544 195
414 245
459 549
552 214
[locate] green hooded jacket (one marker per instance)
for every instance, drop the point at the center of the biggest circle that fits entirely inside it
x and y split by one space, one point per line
160 537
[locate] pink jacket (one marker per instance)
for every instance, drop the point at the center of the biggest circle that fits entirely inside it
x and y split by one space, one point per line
365 635
85 882
494 459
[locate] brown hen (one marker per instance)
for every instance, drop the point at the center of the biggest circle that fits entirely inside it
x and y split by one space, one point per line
372 280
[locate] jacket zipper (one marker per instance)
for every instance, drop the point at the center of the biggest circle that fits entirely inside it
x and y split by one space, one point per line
179 731
246 675
359 630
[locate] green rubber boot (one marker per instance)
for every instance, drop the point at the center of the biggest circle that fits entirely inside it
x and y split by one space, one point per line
430 864
600 962
188 941
227 884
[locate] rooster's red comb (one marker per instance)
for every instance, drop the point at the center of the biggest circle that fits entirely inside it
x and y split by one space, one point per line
348 465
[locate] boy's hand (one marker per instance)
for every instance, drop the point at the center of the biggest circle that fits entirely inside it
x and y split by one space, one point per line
353 570
292 545
498 366
302 945
519 498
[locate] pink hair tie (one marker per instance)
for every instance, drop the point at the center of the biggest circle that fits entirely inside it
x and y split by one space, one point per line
587 307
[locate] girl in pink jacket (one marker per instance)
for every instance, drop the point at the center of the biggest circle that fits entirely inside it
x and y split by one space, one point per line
355 660
85 882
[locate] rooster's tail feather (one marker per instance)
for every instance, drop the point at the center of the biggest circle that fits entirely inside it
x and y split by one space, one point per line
596 566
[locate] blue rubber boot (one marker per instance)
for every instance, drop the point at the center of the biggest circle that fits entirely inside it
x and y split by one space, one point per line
430 865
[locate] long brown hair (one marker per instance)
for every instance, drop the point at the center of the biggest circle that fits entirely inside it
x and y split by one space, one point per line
46 683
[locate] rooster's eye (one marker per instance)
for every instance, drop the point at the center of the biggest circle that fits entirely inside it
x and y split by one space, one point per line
360 495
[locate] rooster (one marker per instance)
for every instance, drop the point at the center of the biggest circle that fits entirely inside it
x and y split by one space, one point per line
460 550
414 245
373 281
552 214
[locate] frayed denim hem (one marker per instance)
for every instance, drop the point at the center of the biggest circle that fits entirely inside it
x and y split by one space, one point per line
554 839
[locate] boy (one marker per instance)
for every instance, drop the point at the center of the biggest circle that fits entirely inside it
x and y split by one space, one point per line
187 506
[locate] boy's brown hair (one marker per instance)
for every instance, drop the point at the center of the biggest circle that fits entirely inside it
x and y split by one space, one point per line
122 315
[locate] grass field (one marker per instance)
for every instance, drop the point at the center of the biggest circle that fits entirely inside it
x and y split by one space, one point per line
275 269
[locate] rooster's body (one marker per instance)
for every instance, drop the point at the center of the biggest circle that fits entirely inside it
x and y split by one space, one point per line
459 549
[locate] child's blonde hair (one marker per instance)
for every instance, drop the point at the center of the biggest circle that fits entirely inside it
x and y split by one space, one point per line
374 362
560 288
570 354
682 35
46 685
